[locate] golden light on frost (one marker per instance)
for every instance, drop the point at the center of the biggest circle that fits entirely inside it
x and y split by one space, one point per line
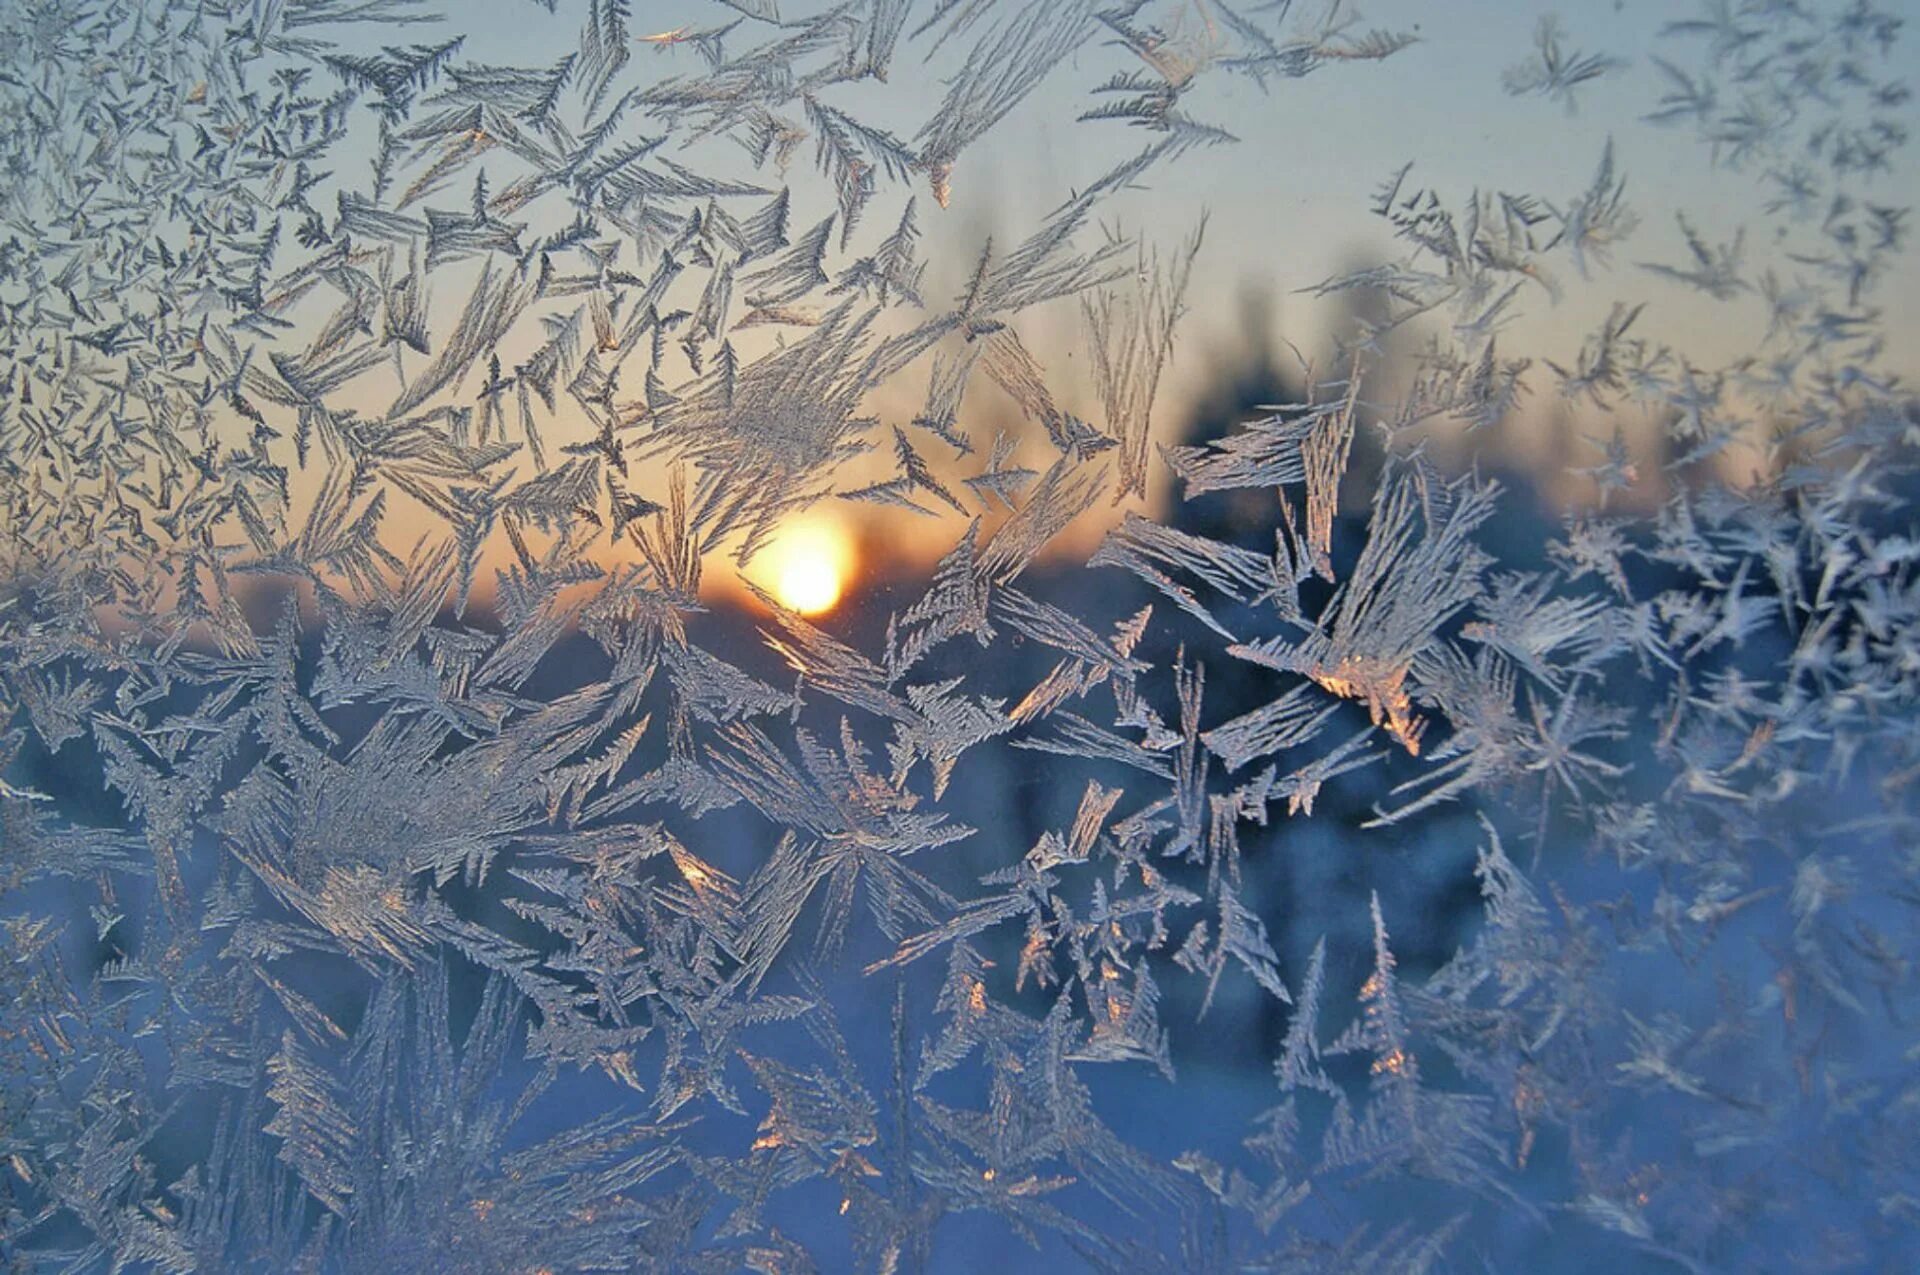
807 566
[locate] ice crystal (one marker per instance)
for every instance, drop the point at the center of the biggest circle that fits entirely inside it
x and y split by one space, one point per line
427 844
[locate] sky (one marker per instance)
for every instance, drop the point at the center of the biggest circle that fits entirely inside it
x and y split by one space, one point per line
1287 206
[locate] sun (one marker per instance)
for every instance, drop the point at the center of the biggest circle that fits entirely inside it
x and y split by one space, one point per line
808 585
807 566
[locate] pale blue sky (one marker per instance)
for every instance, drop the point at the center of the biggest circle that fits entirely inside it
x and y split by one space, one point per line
1288 205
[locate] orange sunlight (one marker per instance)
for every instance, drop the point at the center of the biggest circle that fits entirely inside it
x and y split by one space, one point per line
807 566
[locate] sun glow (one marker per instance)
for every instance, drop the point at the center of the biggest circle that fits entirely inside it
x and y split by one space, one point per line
806 567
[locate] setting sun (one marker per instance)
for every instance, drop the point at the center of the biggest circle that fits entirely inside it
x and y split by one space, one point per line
806 567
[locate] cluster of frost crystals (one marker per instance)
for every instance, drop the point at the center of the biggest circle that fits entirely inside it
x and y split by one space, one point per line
406 865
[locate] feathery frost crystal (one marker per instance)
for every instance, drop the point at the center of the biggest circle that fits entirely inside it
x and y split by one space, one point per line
1334 838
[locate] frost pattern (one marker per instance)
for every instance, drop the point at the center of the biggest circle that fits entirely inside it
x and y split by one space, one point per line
405 868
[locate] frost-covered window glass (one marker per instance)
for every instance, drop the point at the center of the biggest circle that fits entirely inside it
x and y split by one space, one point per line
911 636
